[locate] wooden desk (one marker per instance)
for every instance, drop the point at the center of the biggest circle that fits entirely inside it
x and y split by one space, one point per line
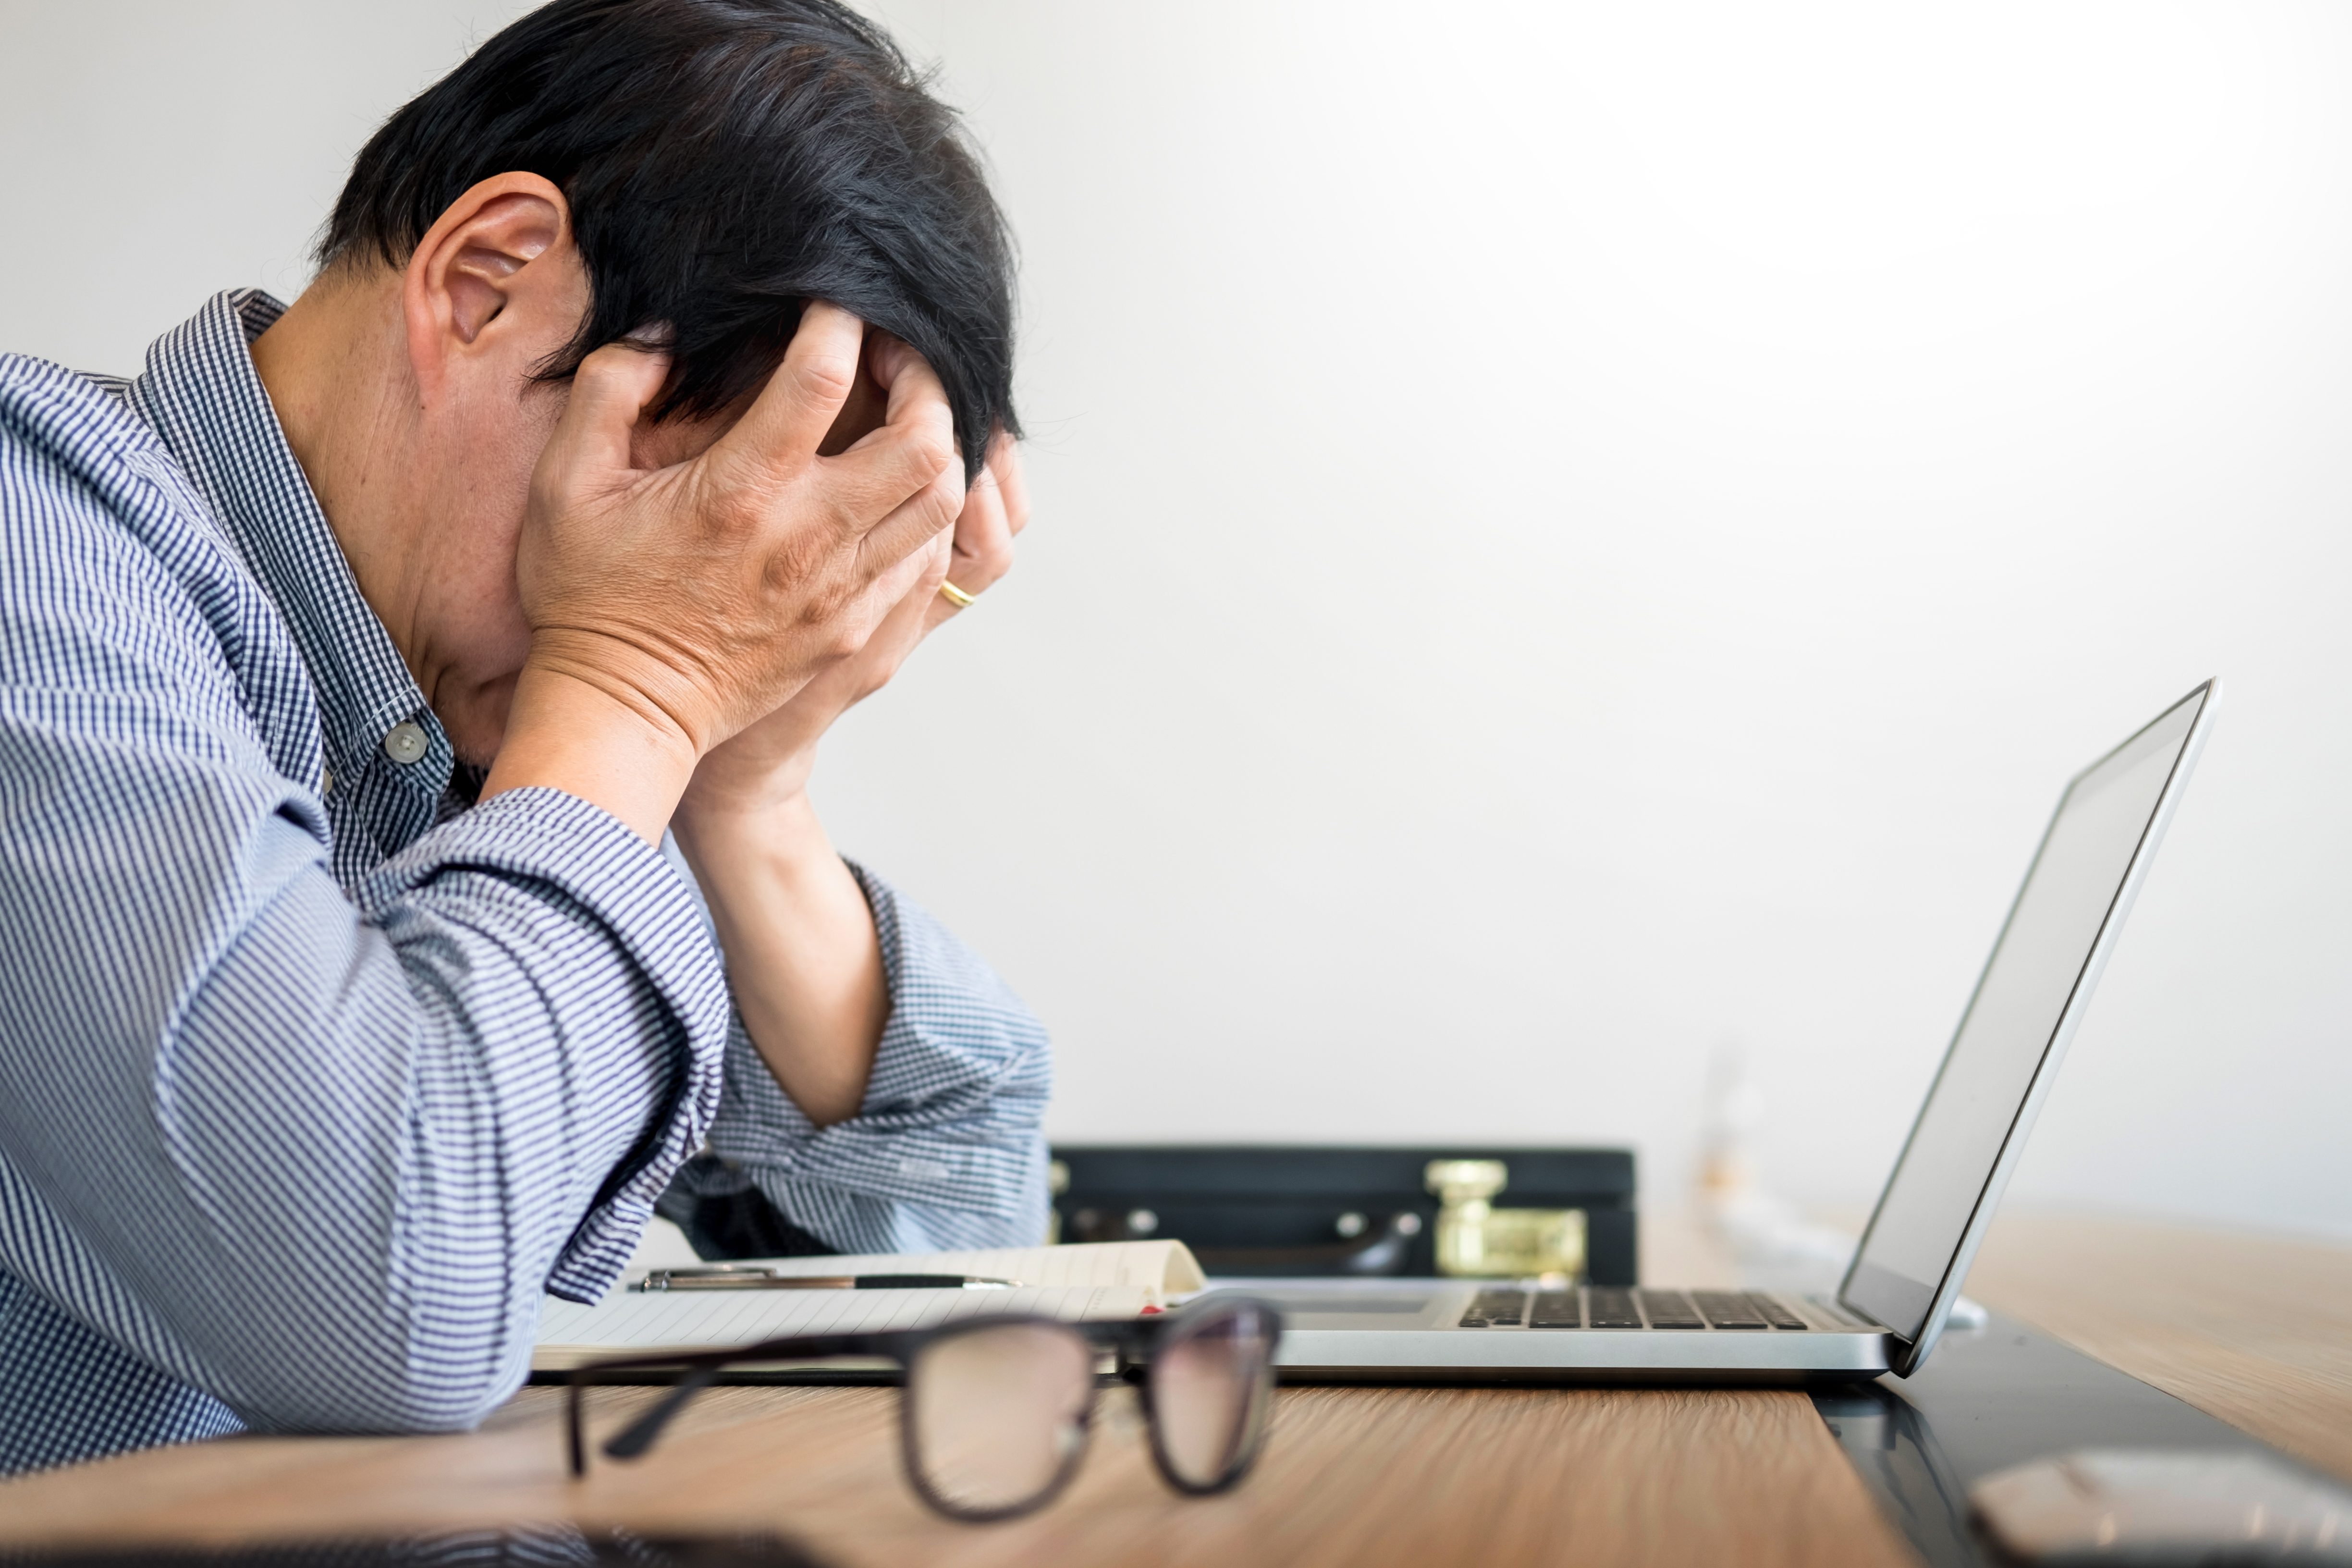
1497 1477
1352 1477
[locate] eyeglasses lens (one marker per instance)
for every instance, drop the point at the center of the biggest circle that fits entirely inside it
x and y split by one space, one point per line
1210 1389
996 1416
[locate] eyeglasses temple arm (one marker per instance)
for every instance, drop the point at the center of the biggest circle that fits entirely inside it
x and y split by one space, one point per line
572 1392
638 1436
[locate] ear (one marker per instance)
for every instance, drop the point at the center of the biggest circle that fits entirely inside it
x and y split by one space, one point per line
497 276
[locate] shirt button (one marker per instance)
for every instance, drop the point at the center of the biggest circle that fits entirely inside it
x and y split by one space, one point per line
406 743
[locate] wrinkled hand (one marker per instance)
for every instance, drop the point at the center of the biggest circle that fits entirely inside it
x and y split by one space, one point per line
770 761
704 595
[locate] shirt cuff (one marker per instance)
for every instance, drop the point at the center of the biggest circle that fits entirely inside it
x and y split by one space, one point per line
948 1148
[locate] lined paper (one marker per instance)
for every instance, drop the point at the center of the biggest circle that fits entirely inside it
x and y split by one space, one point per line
1086 1279
628 1322
1163 1268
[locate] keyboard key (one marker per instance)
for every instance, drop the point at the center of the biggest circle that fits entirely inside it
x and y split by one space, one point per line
1613 1310
1779 1316
1555 1310
1729 1309
1501 1308
1670 1310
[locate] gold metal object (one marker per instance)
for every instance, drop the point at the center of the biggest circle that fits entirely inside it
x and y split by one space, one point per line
1057 1181
1476 1240
956 596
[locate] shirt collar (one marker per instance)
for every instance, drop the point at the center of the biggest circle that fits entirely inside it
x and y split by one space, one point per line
203 398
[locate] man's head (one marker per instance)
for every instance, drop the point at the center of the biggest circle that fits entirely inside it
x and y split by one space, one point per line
687 172
725 161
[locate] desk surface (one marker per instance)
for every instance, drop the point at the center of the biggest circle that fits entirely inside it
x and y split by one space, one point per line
2254 1330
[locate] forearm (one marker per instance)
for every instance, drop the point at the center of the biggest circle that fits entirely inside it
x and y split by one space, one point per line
803 957
948 1148
429 1094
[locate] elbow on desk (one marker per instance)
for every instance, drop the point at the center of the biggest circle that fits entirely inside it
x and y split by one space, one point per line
423 1403
414 1372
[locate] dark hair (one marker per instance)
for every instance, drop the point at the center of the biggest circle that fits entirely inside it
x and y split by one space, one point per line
726 162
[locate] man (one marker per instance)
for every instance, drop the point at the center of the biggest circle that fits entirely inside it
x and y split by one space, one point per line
356 659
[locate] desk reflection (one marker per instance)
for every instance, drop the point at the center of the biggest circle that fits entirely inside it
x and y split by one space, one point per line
1987 1399
549 1546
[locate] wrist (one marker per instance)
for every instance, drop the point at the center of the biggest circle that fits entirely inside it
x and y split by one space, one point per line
568 731
662 696
725 838
734 784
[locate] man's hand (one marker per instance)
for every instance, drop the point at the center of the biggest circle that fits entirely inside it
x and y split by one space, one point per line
670 608
770 761
802 956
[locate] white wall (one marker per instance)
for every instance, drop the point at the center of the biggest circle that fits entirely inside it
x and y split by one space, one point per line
1565 537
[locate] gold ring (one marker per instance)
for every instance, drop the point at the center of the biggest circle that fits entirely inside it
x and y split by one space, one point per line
955 596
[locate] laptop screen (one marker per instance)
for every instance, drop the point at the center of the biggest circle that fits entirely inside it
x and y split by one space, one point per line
2011 1023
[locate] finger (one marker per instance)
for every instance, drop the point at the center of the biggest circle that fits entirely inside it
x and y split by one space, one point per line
915 522
913 450
942 608
906 377
1004 462
937 606
938 556
788 421
904 585
912 394
891 356
904 622
983 537
860 413
609 393
892 605
908 618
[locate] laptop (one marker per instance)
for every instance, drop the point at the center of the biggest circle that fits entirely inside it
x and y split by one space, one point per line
1907 1271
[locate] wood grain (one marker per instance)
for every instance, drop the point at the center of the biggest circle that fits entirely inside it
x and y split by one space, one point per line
1492 1477
2255 1330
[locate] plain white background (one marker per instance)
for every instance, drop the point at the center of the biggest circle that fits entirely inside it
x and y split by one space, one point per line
1567 539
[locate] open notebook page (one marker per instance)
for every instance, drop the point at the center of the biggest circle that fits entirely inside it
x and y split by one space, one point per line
1159 1268
630 1322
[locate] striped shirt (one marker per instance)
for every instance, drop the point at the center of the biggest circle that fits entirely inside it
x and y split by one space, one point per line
315 1076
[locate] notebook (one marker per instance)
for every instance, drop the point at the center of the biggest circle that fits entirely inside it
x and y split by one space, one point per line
1089 1280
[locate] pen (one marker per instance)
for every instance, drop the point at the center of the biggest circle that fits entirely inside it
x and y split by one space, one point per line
757 1276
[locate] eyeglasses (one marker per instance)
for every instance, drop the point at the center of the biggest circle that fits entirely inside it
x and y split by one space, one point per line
993 1412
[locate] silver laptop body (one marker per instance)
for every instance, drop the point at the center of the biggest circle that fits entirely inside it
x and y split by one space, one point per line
1947 1183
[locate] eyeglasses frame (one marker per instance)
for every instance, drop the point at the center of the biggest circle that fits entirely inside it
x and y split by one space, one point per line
1136 1343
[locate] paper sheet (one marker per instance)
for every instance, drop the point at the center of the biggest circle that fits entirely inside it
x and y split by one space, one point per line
629 1322
1162 1269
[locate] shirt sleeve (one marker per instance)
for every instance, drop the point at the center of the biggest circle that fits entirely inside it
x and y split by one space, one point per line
317 1158
949 1149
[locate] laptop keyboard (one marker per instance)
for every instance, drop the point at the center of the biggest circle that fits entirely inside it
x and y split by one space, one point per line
1601 1307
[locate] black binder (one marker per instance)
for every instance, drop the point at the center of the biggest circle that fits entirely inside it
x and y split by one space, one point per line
1256 1209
